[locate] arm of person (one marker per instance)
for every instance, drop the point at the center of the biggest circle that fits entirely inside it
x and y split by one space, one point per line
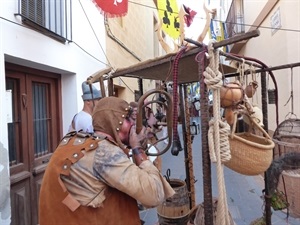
143 182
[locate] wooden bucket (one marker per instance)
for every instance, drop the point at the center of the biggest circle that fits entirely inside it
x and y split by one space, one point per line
175 210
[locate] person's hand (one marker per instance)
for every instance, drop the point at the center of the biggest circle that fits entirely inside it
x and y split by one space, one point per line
136 140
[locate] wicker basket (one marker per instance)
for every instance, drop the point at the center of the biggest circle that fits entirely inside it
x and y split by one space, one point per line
292 184
287 140
287 137
251 154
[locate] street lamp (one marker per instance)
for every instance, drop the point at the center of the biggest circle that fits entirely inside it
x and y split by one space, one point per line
194 128
196 104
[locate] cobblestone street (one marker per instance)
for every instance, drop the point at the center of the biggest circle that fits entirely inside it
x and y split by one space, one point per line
243 192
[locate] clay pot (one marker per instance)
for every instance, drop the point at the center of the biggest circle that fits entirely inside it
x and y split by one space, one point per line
251 89
229 116
231 94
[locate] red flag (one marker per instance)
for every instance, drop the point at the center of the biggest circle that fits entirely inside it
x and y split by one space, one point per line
189 16
112 8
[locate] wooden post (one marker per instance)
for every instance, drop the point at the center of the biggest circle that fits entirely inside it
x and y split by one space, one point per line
264 101
189 169
206 164
110 87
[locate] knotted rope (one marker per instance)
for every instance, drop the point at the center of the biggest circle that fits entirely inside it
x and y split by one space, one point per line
224 130
217 139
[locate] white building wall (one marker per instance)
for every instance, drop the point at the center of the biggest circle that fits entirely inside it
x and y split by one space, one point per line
75 61
275 49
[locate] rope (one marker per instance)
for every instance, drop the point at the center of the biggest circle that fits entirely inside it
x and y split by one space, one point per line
224 131
213 80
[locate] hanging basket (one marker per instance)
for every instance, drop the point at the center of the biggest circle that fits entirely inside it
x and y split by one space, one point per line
291 180
287 142
251 154
287 137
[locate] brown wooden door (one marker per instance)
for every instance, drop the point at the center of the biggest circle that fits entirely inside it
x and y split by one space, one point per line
33 134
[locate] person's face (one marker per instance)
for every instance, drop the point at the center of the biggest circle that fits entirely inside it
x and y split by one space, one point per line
124 132
134 113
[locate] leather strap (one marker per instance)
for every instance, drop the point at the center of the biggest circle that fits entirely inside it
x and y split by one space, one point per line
70 149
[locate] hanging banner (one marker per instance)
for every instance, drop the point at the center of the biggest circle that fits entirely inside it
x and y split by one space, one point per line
112 8
217 31
212 34
224 35
168 14
189 15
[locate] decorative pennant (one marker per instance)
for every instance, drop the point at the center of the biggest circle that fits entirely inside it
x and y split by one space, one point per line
217 31
112 8
168 13
189 15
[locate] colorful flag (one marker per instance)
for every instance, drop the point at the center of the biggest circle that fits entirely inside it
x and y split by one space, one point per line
217 31
212 34
224 35
112 8
168 13
189 15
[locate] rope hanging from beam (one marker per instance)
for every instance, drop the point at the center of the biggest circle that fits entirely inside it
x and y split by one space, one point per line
213 80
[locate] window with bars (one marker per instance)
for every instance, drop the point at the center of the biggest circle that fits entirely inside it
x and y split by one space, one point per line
52 17
41 120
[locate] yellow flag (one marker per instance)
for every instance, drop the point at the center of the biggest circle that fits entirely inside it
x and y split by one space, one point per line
168 13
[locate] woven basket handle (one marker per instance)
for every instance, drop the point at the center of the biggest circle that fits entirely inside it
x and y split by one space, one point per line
252 124
233 125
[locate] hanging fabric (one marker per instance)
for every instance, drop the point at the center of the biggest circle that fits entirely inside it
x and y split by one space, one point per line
112 8
189 15
168 14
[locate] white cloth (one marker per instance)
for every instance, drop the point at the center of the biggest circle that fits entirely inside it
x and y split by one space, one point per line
82 121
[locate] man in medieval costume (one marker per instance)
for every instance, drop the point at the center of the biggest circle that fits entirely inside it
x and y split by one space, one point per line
90 178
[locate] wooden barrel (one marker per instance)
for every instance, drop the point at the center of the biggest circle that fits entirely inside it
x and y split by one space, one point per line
175 210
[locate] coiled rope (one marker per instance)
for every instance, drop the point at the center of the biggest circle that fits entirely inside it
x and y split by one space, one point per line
218 132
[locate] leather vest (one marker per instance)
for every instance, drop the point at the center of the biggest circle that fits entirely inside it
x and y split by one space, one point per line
57 206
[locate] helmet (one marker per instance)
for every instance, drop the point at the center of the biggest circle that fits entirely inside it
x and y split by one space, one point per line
87 94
